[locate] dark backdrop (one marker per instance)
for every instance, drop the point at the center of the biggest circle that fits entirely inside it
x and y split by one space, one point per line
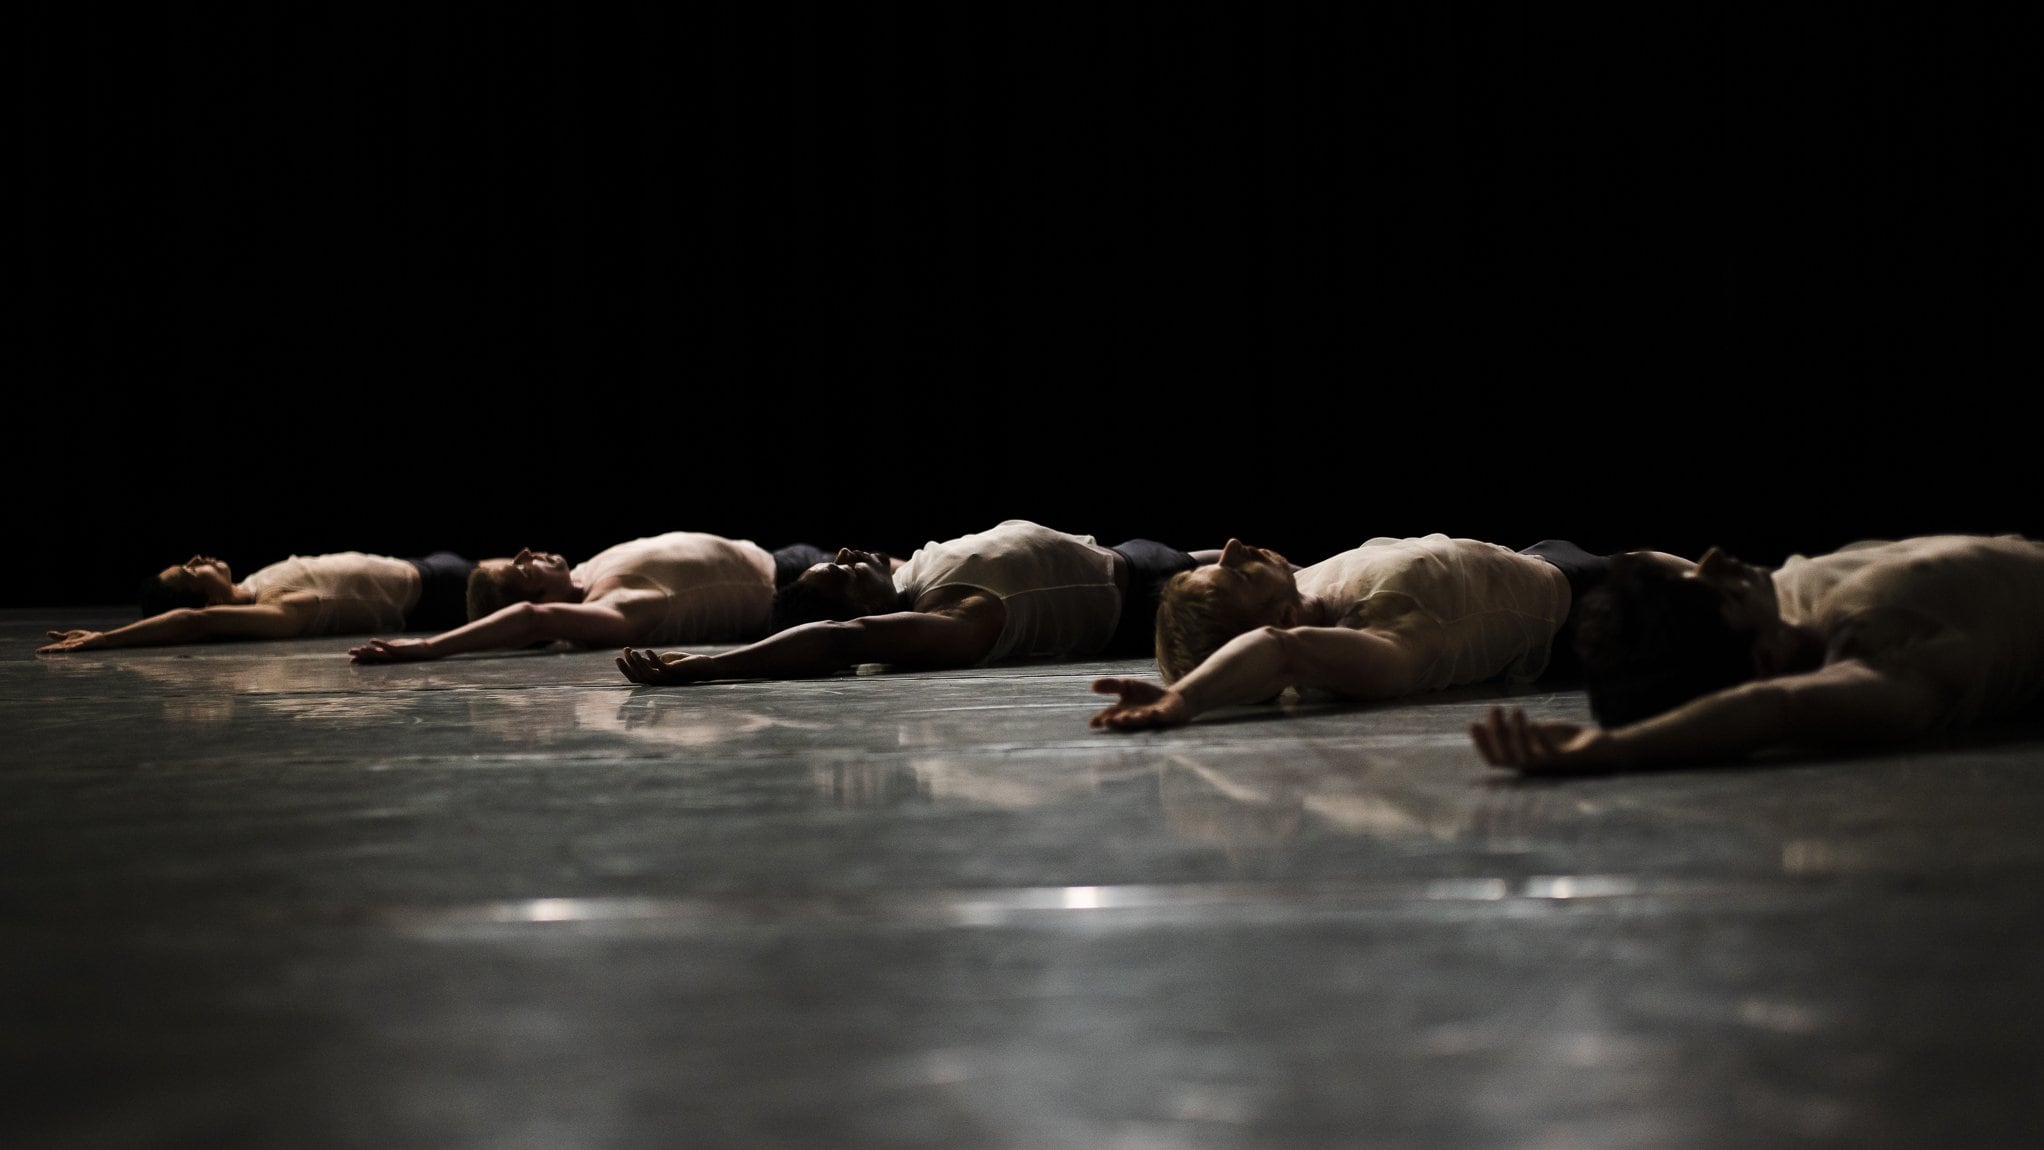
303 278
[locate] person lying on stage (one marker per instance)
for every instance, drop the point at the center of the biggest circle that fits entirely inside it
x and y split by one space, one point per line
1879 644
1019 591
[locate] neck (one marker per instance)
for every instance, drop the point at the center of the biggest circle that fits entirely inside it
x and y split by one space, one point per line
1313 611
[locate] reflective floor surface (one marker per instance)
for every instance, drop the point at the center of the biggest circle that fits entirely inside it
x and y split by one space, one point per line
256 896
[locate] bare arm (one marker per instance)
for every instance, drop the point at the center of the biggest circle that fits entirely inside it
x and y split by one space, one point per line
602 623
911 638
278 619
1842 705
1257 665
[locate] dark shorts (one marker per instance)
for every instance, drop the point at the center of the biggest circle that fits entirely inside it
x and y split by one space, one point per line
1150 564
792 560
1584 571
443 592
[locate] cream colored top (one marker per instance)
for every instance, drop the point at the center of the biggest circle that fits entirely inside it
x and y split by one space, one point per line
1058 589
1484 610
1966 611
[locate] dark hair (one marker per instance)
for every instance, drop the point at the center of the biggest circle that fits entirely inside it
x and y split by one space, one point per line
802 601
157 596
799 600
1651 641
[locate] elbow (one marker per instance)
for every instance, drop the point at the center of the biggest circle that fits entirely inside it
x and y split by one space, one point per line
1279 654
527 622
844 640
1278 643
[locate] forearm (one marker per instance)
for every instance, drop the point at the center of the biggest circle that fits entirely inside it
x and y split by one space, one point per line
810 650
1727 726
167 629
513 626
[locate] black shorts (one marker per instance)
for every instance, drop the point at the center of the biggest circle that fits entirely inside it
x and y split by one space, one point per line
1584 571
443 592
1150 564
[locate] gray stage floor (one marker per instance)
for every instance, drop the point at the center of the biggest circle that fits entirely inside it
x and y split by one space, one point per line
255 896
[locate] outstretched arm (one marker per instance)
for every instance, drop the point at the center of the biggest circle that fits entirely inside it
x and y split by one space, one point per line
285 619
589 624
911 638
1846 704
1257 665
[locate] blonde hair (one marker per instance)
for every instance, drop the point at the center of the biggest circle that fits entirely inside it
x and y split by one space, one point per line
489 591
1193 620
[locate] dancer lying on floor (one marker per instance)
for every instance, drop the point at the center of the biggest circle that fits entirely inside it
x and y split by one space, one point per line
1020 591
1876 644
678 587
1386 620
304 596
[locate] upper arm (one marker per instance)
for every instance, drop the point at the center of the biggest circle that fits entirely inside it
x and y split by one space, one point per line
1843 704
603 623
285 618
1360 663
1850 701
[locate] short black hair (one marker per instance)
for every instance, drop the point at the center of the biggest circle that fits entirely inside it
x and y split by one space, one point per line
1651 640
802 601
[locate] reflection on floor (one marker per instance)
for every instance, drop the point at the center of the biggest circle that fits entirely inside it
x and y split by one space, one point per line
256 896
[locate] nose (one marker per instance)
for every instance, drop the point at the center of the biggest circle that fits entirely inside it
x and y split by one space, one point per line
1235 551
847 555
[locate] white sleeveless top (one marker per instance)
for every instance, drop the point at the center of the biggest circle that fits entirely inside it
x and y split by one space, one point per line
1058 589
1484 610
1967 611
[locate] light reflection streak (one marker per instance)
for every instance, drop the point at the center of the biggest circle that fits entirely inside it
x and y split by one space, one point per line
1016 905
1579 886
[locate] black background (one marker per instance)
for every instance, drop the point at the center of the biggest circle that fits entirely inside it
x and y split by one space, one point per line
300 278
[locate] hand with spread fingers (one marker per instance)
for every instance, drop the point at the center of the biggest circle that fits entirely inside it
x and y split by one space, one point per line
655 669
76 639
1143 705
1508 738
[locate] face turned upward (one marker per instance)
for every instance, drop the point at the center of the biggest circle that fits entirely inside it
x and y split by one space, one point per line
1746 592
201 574
1255 583
1202 609
534 577
862 580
